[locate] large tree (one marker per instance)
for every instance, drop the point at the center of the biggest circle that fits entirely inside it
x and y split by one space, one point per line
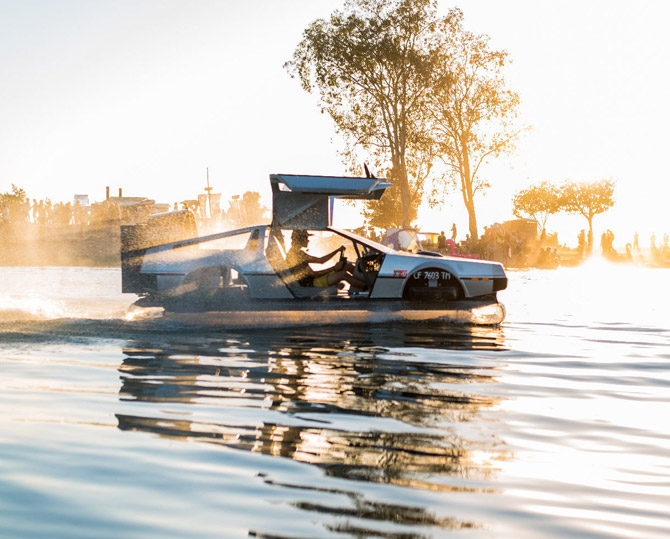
373 65
588 199
474 112
386 213
538 202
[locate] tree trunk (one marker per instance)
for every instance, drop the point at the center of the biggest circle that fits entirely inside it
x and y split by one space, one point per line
472 220
590 243
405 203
468 195
400 176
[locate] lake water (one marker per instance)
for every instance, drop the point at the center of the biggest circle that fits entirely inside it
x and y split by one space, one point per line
557 423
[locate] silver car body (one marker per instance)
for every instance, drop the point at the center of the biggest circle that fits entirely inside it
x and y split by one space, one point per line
252 260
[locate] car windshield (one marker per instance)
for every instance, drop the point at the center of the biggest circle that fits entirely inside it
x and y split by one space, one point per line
365 241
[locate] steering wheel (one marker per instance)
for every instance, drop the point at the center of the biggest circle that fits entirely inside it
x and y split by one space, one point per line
343 258
363 261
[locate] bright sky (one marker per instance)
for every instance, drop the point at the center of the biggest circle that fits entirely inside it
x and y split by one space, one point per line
146 94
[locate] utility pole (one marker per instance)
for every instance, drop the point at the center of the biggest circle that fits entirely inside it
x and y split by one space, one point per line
209 194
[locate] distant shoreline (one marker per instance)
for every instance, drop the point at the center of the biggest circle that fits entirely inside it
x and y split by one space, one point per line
99 245
38 245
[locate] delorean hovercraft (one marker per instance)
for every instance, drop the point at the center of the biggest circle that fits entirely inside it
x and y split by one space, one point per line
241 278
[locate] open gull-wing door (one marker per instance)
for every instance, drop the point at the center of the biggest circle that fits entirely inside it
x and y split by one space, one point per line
306 202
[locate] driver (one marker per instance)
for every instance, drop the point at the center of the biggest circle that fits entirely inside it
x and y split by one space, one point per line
298 260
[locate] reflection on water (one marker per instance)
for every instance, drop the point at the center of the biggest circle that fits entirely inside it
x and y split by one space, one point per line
554 425
383 405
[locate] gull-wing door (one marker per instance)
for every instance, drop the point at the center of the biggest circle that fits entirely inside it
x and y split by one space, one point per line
306 202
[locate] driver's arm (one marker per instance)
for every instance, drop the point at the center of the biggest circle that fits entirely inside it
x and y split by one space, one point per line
325 258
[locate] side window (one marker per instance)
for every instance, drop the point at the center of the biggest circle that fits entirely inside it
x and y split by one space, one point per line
324 242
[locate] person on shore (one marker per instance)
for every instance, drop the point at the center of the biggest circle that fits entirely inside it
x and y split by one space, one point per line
299 260
467 245
636 241
629 253
42 213
453 232
442 242
79 215
581 243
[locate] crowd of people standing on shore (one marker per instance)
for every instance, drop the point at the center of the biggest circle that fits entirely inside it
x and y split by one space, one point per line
498 244
632 251
75 215
513 250
44 212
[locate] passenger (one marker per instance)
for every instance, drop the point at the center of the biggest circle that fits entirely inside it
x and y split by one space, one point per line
299 260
